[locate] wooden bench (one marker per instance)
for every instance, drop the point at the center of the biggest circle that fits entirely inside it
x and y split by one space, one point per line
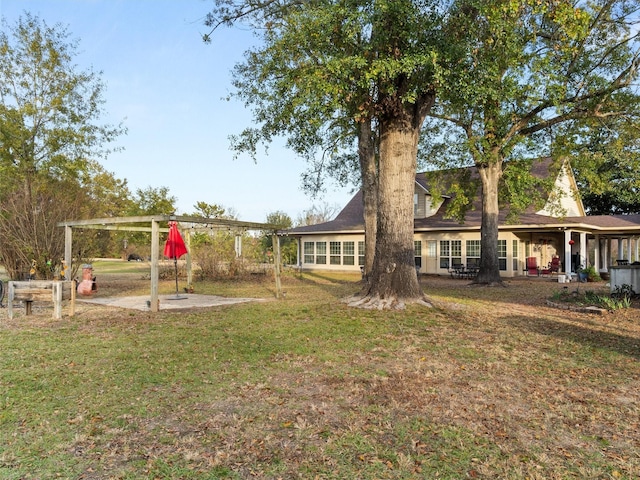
42 291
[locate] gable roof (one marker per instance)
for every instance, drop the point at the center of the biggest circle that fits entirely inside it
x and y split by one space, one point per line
351 217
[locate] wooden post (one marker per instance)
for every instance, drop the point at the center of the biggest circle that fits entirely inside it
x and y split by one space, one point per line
155 252
68 243
187 239
72 307
56 298
11 294
277 262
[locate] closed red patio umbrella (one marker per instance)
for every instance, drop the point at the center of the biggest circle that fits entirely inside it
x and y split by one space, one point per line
174 247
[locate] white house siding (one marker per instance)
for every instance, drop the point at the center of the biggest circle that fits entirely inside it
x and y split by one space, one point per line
563 200
332 252
435 252
464 248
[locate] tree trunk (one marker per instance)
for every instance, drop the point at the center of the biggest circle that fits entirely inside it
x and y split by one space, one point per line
393 280
489 273
369 176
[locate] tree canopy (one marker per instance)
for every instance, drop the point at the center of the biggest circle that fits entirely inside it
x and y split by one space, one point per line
522 70
349 66
50 136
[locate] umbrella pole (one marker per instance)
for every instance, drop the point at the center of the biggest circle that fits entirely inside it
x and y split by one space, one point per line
175 263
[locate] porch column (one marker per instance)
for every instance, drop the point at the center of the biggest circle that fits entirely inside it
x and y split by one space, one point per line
597 259
583 247
629 253
619 255
607 254
567 251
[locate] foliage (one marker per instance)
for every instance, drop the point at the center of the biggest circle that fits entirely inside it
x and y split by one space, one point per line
591 272
211 210
319 213
590 298
152 201
605 157
330 71
521 69
50 136
288 245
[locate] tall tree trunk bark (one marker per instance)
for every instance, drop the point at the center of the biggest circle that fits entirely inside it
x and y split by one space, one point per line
369 176
489 267
393 280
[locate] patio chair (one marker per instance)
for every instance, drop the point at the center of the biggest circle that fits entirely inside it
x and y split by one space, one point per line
532 266
553 267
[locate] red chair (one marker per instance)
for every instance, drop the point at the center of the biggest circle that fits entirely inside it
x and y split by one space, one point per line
532 266
553 267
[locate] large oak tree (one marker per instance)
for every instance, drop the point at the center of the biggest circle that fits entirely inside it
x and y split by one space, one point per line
530 66
371 65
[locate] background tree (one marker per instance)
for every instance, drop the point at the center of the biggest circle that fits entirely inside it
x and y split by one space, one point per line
335 132
319 213
528 67
288 246
370 62
605 156
49 135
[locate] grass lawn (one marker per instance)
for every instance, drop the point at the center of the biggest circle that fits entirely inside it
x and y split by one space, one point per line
490 383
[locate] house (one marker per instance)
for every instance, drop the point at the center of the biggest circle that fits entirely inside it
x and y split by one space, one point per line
559 229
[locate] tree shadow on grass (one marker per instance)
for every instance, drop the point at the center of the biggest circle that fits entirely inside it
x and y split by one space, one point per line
593 337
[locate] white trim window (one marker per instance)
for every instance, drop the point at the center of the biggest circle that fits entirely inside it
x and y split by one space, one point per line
348 253
335 253
309 252
450 253
321 253
502 255
473 253
417 253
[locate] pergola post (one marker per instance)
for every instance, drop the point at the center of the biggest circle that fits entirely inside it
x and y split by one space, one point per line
187 240
275 240
155 252
68 243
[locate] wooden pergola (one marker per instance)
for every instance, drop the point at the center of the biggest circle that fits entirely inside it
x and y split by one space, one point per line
137 224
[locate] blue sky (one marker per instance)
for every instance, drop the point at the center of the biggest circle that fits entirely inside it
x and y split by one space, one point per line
167 87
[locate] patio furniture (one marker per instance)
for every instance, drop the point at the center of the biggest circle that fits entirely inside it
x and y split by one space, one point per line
553 267
532 266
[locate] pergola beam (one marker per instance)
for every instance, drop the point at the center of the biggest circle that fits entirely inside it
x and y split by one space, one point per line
124 224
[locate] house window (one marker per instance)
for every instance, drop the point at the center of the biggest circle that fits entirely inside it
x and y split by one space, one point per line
415 204
417 252
321 253
308 252
502 255
514 254
360 253
450 253
348 253
335 253
473 253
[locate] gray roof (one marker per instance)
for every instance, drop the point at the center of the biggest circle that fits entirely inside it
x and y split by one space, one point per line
351 218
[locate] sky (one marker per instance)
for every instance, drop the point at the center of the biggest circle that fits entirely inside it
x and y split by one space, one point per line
168 89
